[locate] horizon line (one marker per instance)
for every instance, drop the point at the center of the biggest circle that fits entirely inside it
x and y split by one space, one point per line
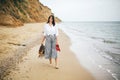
90 21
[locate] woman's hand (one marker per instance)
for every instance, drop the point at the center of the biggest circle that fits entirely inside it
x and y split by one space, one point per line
42 42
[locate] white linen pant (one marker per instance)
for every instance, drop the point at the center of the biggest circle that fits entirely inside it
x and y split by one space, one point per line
50 47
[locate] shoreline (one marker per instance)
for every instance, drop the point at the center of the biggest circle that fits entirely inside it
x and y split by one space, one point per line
95 55
34 68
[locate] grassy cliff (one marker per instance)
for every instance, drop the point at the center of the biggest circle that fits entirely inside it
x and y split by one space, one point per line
18 12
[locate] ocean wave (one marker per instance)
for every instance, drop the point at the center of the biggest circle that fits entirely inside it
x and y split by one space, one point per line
104 40
109 41
112 56
97 38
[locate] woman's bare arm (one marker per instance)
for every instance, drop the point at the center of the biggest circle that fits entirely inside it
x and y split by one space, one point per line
43 40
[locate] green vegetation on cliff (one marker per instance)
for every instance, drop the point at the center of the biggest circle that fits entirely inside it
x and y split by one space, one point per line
18 12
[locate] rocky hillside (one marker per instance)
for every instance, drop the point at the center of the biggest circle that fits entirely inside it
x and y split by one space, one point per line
18 12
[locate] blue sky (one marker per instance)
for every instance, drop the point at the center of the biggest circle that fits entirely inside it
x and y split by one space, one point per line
85 10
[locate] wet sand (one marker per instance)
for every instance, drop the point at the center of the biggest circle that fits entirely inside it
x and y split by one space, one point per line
34 68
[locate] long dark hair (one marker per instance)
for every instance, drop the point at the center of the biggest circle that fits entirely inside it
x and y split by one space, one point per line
53 20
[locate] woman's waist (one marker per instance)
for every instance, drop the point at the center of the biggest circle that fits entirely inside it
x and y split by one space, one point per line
50 34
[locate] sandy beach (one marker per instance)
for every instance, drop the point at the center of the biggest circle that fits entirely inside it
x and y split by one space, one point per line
15 42
32 67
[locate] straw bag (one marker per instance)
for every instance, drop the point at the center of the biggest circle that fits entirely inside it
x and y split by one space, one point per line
41 50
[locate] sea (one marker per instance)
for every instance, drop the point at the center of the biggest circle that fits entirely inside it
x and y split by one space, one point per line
96 46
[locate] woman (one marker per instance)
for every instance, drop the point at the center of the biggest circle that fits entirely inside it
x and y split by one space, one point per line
50 37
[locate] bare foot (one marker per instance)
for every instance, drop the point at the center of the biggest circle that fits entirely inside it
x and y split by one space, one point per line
56 67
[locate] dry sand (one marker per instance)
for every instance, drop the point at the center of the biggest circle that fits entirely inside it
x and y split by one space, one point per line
14 38
14 42
34 68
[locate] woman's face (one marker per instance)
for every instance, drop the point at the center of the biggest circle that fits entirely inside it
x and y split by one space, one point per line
51 19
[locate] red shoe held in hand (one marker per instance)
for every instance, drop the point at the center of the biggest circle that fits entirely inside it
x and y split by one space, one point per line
57 47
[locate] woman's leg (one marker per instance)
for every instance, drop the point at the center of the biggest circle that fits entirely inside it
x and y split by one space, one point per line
54 52
56 63
50 60
48 49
